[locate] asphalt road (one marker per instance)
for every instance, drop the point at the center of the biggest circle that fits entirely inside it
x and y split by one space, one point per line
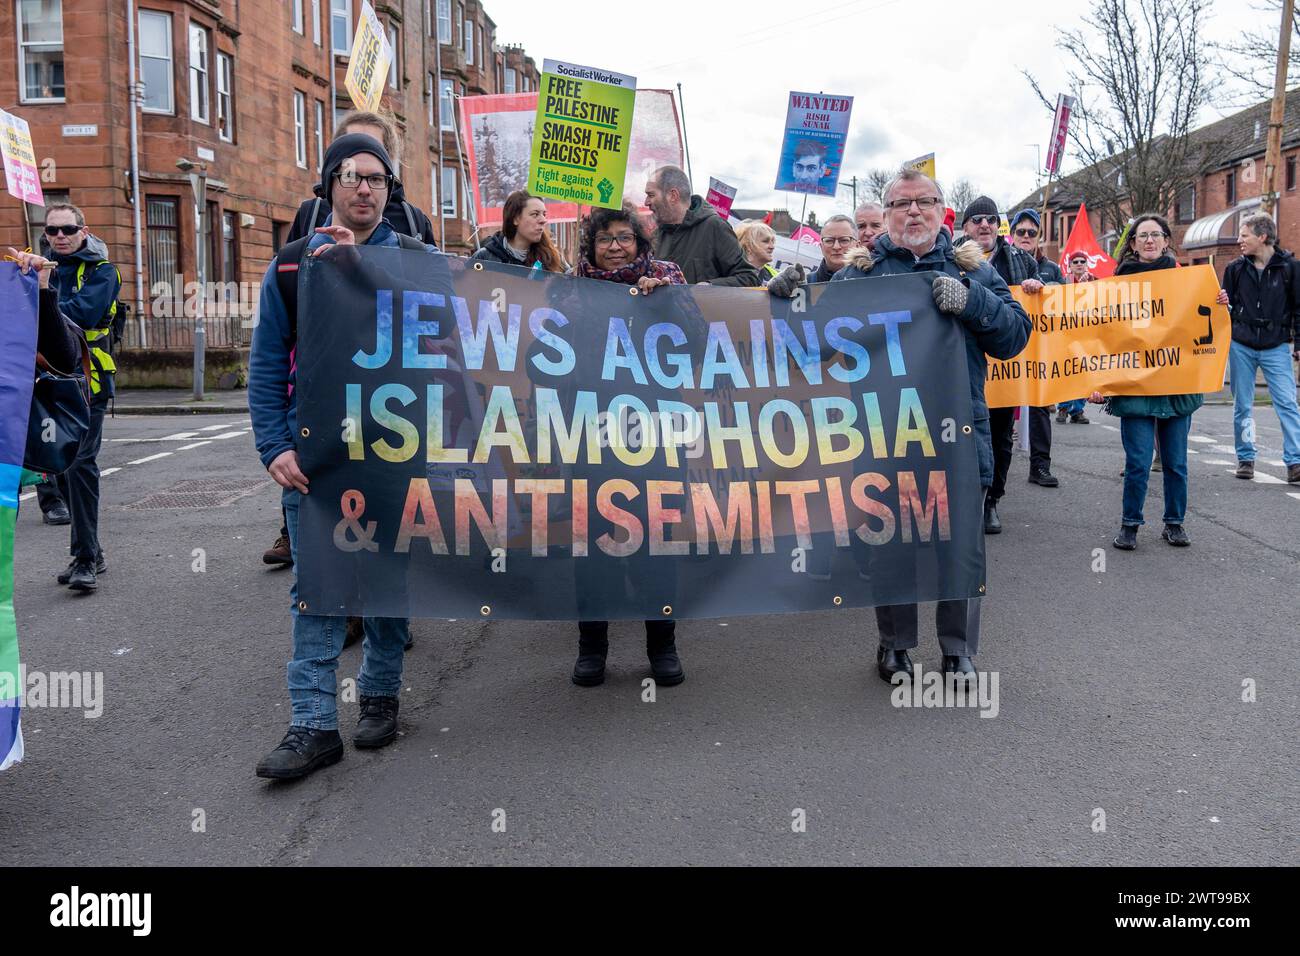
1120 691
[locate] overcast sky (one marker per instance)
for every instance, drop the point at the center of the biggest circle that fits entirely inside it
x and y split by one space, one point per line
926 75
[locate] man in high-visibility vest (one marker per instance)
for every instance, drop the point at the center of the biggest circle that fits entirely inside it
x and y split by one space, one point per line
87 284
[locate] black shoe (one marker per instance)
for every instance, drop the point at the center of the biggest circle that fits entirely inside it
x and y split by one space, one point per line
377 726
65 575
355 632
58 514
992 523
1043 477
1246 469
891 662
410 642
665 665
1176 536
589 669
1060 417
1127 539
81 576
300 752
1079 418
960 666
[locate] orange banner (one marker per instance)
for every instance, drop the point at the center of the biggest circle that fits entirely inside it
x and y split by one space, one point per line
1152 333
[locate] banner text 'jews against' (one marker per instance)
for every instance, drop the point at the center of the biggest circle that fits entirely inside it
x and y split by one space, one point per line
529 415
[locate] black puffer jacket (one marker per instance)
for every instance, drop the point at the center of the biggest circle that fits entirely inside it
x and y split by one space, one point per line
496 250
705 247
1265 305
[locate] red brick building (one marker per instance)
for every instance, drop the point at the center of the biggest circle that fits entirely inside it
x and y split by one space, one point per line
1207 215
251 90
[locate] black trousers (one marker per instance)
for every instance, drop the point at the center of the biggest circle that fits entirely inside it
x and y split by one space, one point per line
79 485
48 496
958 624
1001 423
661 629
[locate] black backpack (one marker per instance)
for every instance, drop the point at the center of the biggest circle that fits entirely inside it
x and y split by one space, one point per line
289 259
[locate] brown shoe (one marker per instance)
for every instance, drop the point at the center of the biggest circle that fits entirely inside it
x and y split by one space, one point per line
279 552
1246 469
1293 474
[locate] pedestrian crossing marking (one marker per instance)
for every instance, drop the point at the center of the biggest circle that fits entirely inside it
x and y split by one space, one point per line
141 461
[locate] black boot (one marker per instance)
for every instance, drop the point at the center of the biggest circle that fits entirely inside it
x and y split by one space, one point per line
665 665
589 670
992 523
377 726
57 514
960 666
302 751
65 575
81 576
1127 539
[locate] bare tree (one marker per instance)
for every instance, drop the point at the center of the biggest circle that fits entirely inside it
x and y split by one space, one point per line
1251 58
961 195
1140 73
872 185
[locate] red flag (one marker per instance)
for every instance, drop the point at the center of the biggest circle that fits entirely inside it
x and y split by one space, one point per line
1081 239
768 218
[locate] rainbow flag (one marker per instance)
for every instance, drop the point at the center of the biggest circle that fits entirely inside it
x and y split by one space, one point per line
18 305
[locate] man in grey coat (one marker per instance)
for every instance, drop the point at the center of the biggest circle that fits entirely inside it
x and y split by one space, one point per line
970 291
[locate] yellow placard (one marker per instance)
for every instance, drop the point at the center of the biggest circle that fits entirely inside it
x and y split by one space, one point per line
368 65
924 163
1151 333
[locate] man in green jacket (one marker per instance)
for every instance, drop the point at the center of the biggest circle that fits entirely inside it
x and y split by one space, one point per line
692 234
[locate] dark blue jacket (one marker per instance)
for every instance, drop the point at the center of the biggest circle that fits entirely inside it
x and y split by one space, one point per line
91 306
1265 304
272 404
993 322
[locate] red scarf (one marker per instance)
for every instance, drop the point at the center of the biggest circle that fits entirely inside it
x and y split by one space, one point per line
638 268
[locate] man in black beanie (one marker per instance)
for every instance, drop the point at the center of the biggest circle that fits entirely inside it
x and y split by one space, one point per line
980 222
357 176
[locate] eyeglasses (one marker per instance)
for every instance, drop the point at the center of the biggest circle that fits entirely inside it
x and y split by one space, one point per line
925 202
376 181
625 239
1145 236
1027 233
985 220
837 241
68 230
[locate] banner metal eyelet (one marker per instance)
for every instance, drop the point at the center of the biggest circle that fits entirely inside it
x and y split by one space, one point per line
478 267
306 432
485 610
668 609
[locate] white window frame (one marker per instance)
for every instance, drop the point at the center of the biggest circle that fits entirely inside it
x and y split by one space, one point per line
433 187
469 42
170 109
447 94
315 22
449 194
511 80
225 96
297 17
199 74
320 134
444 17
395 67
341 9
300 128
430 88
45 46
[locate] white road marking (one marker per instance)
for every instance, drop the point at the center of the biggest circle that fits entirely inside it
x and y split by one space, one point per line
1219 461
1201 438
1108 427
108 471
233 434
141 461
194 445
1293 494
213 428
1262 477
32 494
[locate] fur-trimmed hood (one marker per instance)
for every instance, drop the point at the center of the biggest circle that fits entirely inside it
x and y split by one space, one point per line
967 255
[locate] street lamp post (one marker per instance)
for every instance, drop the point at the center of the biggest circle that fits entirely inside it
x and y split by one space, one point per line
198 173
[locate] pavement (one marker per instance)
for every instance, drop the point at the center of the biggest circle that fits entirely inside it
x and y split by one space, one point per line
180 401
1121 738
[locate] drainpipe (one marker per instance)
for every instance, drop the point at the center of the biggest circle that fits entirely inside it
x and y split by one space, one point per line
133 97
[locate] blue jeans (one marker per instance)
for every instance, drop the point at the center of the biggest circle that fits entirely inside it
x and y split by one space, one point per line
1139 436
1074 407
1280 377
317 641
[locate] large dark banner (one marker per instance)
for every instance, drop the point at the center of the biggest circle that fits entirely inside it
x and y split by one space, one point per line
489 440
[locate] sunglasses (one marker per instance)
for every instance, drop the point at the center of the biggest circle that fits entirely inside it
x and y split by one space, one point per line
69 230
985 220
1027 233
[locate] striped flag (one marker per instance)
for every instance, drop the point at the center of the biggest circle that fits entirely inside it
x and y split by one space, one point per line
17 366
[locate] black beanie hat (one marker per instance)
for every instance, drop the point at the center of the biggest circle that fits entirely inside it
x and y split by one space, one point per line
979 206
345 147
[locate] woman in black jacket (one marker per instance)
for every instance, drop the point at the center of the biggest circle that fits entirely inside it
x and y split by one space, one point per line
524 239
